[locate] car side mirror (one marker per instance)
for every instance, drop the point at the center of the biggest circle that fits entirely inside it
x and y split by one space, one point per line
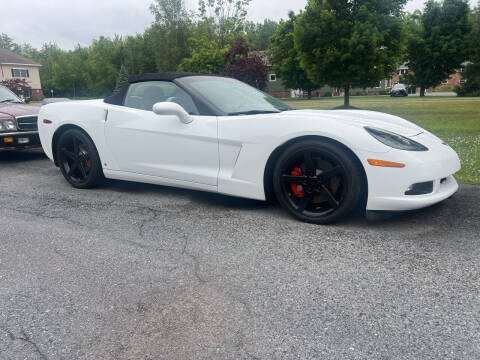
171 108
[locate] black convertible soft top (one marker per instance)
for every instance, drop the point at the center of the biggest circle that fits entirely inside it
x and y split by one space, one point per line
117 97
165 76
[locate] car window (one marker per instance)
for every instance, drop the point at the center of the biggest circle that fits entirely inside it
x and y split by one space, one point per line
144 95
7 96
232 96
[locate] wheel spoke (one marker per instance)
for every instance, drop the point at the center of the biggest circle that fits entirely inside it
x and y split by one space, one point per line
68 154
304 202
309 164
327 175
292 179
73 167
330 198
76 147
82 169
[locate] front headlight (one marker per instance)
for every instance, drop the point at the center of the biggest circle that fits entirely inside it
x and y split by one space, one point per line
395 141
8 125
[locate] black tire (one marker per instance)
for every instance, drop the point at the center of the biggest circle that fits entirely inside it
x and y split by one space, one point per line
330 181
78 160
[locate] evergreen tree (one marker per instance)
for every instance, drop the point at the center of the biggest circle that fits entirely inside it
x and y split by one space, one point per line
122 78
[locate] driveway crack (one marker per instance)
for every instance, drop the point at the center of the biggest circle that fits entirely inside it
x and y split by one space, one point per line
25 338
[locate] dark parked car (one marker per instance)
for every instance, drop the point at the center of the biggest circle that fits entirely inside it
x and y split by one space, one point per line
18 122
399 90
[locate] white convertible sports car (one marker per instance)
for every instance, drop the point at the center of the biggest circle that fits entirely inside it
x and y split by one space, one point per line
218 134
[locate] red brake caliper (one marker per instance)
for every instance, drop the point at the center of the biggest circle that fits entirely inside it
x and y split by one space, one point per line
89 163
296 188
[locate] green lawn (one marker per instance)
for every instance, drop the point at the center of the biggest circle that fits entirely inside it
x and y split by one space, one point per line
455 120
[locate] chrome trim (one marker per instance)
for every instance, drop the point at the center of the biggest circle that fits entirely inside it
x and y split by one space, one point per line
25 116
18 133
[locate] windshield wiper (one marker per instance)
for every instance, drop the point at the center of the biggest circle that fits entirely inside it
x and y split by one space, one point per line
254 112
9 100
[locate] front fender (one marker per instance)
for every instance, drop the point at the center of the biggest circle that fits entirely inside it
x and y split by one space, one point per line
87 116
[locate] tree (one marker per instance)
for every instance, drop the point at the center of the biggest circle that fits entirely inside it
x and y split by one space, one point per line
170 33
226 16
138 54
436 42
285 59
259 35
122 78
104 58
6 42
471 72
206 58
349 43
244 66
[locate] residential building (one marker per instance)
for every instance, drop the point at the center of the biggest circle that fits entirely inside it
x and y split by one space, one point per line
448 84
14 66
275 85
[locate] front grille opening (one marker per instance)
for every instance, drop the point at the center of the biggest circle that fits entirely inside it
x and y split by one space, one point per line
27 123
420 188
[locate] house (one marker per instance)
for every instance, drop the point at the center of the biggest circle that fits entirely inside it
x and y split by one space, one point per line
275 86
447 85
14 66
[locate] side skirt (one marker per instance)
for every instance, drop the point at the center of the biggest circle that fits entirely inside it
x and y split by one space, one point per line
148 179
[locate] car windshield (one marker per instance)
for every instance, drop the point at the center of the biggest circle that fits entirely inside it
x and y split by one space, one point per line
399 87
8 96
233 97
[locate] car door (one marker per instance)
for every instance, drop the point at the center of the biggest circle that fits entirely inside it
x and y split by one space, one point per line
145 143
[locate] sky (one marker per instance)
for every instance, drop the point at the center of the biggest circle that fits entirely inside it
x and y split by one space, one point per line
73 22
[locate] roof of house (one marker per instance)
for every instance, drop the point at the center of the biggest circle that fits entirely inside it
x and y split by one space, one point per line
10 58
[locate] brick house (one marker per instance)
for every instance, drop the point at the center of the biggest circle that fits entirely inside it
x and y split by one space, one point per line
454 79
14 66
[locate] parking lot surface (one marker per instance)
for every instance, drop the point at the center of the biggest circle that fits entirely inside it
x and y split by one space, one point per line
134 271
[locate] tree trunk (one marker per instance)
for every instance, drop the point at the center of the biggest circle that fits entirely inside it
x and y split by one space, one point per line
422 91
346 97
309 94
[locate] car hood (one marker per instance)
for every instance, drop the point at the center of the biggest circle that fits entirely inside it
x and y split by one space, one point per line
8 110
363 118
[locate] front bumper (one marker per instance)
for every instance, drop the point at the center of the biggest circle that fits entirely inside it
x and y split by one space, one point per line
387 186
19 140
398 93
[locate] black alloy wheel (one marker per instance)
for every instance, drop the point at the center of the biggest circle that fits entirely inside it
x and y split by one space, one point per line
318 182
78 159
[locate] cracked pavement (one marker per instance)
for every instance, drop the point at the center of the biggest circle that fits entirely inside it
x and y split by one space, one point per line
135 271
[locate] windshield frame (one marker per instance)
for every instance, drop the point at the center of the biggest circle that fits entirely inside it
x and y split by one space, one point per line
14 97
184 82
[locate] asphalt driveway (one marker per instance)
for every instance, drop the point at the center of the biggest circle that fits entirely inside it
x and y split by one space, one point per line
133 271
